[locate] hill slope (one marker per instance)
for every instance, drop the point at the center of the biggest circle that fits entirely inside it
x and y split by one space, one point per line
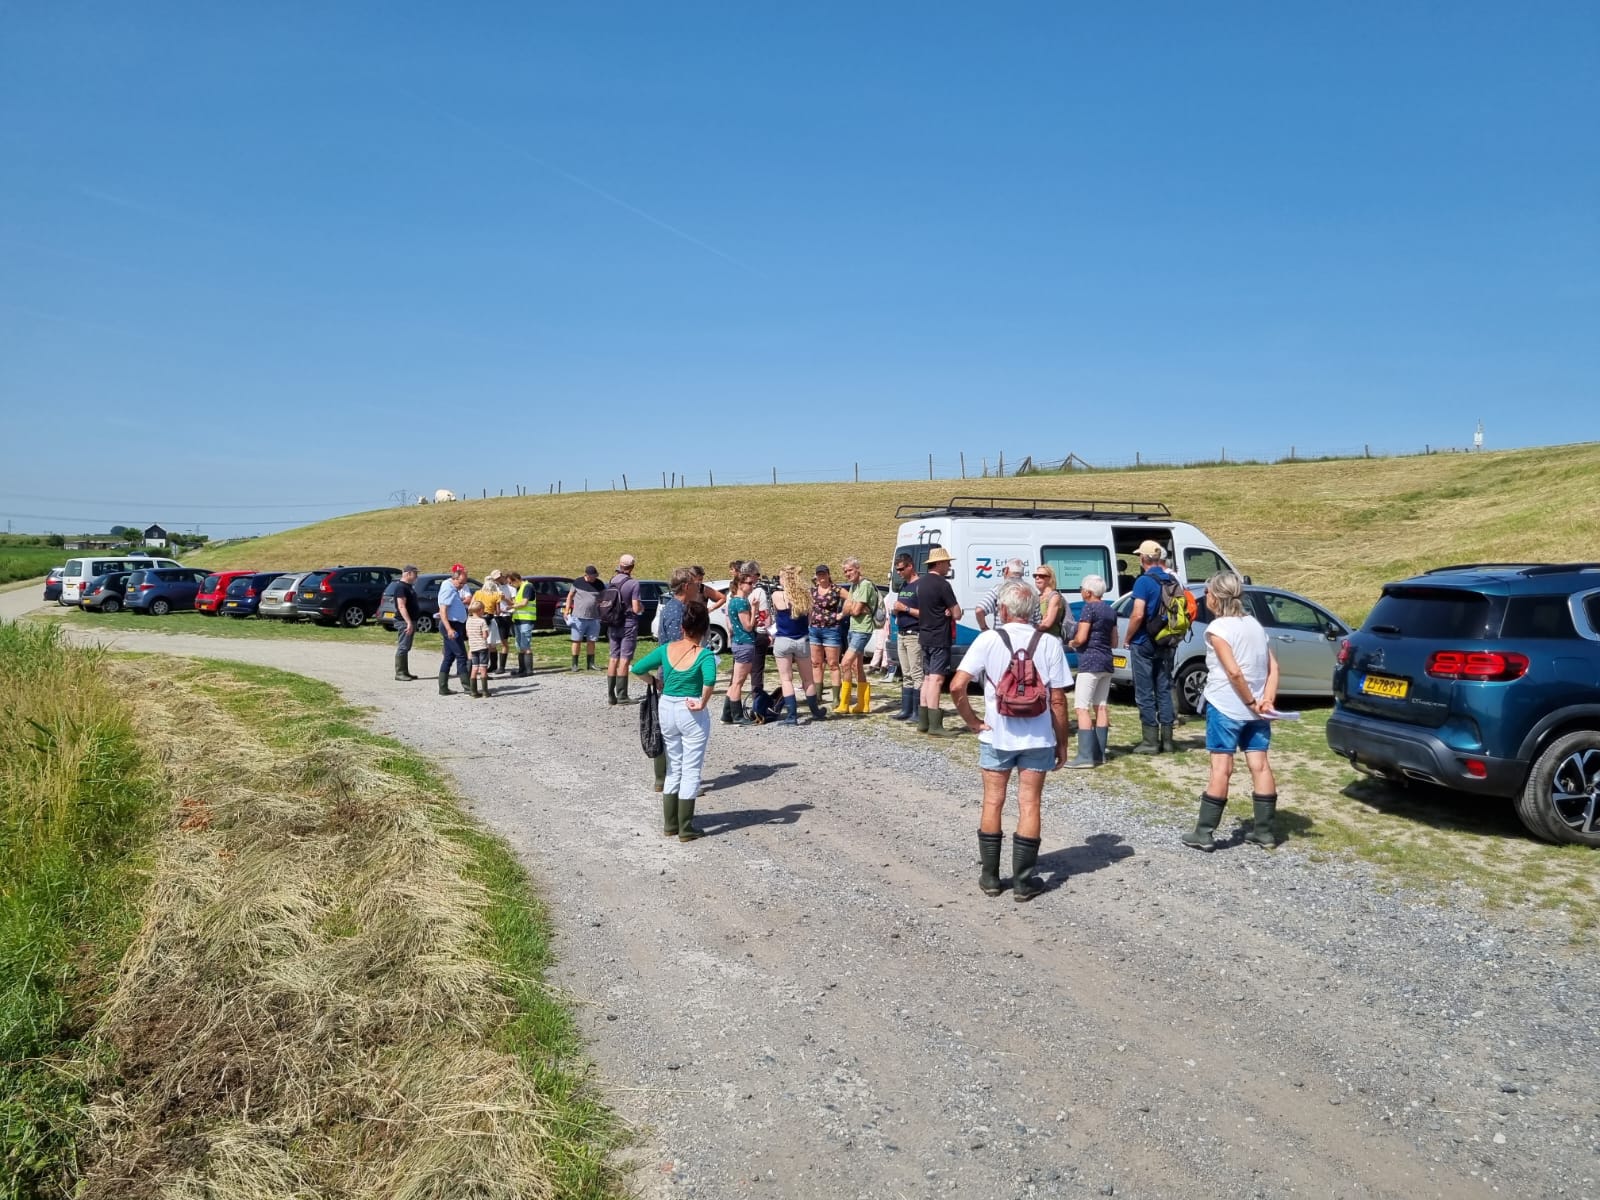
1332 530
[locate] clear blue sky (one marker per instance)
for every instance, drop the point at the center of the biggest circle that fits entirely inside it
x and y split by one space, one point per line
263 263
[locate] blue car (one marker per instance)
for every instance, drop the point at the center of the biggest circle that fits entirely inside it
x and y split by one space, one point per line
161 590
1484 679
243 597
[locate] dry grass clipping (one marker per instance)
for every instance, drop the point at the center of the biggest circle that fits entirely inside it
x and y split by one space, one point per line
303 1013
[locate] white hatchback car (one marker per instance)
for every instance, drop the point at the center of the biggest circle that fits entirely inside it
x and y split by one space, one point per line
720 636
1304 636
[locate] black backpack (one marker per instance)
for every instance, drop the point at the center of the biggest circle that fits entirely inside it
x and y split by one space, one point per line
612 610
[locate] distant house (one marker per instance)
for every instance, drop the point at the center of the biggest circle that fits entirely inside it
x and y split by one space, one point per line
156 536
89 542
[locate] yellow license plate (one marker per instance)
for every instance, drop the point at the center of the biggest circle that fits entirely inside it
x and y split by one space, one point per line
1119 661
233 604
1385 685
308 595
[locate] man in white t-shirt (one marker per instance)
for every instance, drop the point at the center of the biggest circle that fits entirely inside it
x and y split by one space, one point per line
1031 746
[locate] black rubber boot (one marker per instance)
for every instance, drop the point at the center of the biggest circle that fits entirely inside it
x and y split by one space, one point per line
740 716
1152 740
727 711
611 689
659 765
573 669
590 667
524 664
669 811
1206 827
484 684
1168 746
686 830
622 690
1024 856
444 684
989 846
818 713
908 703
791 711
1261 828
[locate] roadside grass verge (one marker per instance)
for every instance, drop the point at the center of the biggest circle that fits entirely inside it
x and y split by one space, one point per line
77 802
1428 840
338 989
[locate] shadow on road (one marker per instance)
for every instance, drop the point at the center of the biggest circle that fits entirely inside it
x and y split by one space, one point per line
1099 850
715 823
745 773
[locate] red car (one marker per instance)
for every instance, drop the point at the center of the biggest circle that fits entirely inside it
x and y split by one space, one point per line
209 601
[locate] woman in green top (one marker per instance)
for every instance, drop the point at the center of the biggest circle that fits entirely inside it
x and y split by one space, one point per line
1052 604
686 672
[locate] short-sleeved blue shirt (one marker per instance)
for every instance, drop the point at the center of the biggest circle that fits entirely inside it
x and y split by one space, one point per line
1148 588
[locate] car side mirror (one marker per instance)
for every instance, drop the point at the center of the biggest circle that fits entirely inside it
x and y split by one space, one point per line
1333 633
1246 579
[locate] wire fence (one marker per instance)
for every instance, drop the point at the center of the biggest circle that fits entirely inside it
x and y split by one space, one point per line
958 465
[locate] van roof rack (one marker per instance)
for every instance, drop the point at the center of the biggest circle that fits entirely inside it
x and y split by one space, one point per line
1015 507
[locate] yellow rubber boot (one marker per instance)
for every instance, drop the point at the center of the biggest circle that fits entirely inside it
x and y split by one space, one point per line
844 696
863 698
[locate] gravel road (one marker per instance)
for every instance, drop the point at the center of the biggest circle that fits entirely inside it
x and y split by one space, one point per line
816 1001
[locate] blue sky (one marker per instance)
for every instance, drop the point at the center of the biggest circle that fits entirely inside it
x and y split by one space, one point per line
264 263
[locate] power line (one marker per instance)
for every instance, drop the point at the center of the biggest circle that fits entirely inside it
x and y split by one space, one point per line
190 503
175 521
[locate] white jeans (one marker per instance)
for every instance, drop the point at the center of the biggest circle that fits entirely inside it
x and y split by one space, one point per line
686 733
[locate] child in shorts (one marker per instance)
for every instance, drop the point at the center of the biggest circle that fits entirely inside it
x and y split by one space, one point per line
478 648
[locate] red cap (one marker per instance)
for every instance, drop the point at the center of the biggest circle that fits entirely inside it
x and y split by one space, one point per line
457 569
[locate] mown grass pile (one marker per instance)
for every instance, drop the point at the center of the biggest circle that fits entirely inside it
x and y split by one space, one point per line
76 802
337 989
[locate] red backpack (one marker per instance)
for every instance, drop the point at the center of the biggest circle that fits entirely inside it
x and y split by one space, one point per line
1020 692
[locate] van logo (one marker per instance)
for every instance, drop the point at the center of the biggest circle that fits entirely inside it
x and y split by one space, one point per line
984 568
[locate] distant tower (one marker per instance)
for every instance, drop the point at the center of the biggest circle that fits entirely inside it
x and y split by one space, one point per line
1477 438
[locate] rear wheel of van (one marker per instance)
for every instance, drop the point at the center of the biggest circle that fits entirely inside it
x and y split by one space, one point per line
1561 800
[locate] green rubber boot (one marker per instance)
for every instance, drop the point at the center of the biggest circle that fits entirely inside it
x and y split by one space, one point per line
659 763
401 674
1024 856
936 725
1088 745
1168 746
611 689
1102 751
1261 828
444 684
622 690
1206 827
1152 740
989 846
669 811
922 719
686 830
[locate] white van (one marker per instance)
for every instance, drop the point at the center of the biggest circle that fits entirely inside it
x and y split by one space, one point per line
1076 537
79 571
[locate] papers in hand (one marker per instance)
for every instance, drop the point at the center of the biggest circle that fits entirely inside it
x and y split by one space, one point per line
1272 714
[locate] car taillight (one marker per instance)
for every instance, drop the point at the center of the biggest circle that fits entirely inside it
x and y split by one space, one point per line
145 587
327 584
1488 666
1344 652
249 592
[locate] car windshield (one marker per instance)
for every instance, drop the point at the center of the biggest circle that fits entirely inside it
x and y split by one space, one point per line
1435 612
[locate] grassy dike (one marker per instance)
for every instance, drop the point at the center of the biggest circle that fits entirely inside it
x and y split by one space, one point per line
330 982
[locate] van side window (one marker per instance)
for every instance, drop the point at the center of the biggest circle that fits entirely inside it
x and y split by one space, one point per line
1072 563
1200 564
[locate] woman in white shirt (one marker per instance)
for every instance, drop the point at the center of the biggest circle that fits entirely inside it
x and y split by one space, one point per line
1241 686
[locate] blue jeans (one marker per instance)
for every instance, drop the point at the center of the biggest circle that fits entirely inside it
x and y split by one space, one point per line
455 650
523 631
1152 682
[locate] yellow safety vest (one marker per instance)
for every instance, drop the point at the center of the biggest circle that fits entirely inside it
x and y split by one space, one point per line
530 611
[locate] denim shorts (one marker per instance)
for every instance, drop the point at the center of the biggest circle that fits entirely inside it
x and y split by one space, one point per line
584 629
826 635
858 641
1224 735
1040 758
480 658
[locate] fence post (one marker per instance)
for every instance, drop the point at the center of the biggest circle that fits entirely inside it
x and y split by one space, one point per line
1366 451
624 481
963 464
1000 471
558 487
711 480
1224 454
774 475
1291 453
930 466
985 466
551 490
1136 461
485 493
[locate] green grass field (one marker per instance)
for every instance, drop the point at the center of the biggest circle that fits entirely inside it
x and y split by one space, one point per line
1335 530
28 562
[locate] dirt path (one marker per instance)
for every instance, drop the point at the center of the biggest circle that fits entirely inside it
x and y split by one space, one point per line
816 1001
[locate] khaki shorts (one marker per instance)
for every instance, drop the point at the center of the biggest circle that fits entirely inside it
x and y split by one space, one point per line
909 655
1094 688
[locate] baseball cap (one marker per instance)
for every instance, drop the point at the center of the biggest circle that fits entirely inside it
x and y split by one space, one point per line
1149 549
457 569
822 569
591 569
939 554
494 575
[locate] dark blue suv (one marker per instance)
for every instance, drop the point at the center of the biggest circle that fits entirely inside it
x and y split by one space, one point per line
1485 679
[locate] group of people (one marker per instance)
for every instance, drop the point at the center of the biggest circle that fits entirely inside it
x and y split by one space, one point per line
820 628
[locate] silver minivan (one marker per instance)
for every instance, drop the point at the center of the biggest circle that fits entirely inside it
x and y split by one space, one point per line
79 571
